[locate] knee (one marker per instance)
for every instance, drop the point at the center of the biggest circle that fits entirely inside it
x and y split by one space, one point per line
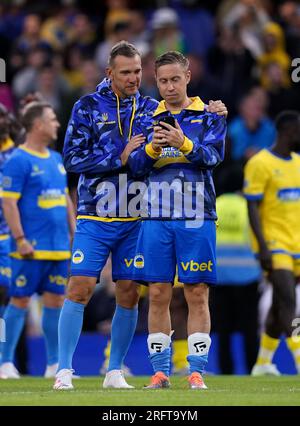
197 296
127 294
159 295
79 291
20 302
56 301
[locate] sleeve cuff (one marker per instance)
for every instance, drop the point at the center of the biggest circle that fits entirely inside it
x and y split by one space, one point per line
11 194
187 146
151 152
253 197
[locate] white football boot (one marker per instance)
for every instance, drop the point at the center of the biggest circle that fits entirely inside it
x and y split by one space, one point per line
9 371
115 379
51 371
64 380
265 370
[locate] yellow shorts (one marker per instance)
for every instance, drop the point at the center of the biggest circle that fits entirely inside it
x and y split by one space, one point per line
286 261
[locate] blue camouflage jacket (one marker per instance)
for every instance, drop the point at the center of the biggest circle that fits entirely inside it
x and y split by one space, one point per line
188 171
100 126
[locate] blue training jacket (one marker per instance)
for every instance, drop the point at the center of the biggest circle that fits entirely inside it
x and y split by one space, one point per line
100 126
187 170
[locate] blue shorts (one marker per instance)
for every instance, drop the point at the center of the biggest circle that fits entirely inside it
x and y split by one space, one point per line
38 276
95 240
5 267
164 245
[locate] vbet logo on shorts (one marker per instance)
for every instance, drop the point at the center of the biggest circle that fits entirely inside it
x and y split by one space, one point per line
174 200
194 266
77 257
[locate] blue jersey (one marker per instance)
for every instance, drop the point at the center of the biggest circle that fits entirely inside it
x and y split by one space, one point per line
38 182
99 129
188 170
6 149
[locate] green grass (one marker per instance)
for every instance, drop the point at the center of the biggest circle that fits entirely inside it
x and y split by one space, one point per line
223 390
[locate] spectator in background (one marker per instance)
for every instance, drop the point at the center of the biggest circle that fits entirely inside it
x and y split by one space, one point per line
84 34
289 12
31 35
166 33
232 64
198 27
274 52
118 11
250 17
234 302
251 130
148 85
203 84
72 64
280 96
52 87
24 81
57 30
139 32
120 31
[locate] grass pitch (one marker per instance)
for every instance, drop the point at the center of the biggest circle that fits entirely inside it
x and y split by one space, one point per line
222 390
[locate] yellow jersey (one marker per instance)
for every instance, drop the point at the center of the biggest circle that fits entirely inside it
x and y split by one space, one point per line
275 181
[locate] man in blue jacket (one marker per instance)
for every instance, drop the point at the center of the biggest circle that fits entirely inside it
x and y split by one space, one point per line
180 231
98 142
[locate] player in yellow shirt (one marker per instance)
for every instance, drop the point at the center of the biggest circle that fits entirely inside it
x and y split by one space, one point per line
272 188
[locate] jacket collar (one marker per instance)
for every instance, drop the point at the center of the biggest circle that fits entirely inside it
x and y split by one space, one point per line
196 105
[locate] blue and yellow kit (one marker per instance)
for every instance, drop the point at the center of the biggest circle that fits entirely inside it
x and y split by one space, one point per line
193 163
38 182
6 149
274 181
172 237
101 125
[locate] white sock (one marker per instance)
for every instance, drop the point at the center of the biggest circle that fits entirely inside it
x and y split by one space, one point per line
158 342
199 344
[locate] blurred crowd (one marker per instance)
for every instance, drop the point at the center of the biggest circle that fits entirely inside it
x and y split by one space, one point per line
240 52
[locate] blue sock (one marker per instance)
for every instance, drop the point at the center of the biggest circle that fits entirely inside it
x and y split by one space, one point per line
50 319
69 329
14 318
122 331
161 361
197 363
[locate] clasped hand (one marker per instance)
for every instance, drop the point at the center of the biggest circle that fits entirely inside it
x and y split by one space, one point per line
167 135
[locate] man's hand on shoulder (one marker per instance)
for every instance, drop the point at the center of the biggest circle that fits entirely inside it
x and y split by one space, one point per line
217 107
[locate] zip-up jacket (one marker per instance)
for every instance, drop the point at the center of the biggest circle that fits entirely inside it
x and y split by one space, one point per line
101 124
188 169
